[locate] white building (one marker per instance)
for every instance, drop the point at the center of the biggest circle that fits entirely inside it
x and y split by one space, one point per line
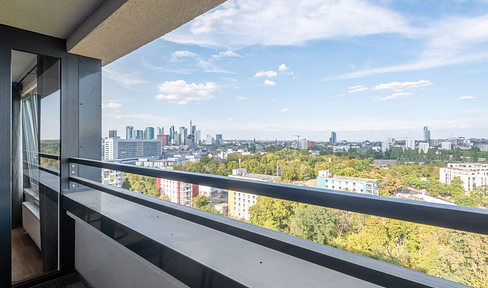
302 144
349 184
207 191
209 140
131 148
446 145
385 145
178 192
472 174
240 202
112 178
410 143
424 147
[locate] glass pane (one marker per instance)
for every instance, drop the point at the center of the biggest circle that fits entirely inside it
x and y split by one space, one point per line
35 240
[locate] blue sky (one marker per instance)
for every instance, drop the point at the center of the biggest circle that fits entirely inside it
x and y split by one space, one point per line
271 69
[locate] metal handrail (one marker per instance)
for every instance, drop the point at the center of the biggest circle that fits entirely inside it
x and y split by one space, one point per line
462 218
49 156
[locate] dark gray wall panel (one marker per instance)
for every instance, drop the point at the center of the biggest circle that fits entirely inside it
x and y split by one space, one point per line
90 114
5 164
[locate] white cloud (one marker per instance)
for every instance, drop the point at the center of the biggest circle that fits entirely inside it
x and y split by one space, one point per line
241 23
355 89
181 54
393 96
242 98
182 93
230 119
400 86
269 83
285 110
111 105
226 54
283 68
125 80
466 98
268 74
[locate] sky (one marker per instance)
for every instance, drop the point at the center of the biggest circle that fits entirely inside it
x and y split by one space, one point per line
273 69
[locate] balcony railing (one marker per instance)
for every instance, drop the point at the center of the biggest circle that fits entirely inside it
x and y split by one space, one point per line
454 217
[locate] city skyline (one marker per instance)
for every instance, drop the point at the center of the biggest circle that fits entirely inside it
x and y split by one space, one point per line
411 69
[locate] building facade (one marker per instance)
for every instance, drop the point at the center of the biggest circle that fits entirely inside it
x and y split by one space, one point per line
123 148
129 132
149 133
349 184
240 202
472 174
177 192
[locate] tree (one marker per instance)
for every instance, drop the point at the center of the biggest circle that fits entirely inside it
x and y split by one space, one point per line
314 223
272 213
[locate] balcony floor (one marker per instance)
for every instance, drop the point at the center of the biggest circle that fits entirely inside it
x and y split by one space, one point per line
26 257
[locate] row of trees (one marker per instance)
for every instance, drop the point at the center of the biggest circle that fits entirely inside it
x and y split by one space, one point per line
449 254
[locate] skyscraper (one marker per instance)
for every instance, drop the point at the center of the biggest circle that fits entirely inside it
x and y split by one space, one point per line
183 134
426 134
171 133
149 132
160 130
112 134
129 132
139 134
333 137
218 139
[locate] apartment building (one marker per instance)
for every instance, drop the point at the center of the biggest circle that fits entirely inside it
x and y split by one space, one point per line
131 148
350 184
240 202
472 174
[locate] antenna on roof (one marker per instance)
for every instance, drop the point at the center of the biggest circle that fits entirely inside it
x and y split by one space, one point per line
239 163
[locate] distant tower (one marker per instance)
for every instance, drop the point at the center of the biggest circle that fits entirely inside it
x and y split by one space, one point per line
129 132
112 134
333 137
149 133
426 134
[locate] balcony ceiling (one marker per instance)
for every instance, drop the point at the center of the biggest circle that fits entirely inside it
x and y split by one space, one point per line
102 29
57 18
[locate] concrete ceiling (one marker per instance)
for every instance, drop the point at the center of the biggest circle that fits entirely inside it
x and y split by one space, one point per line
57 18
102 29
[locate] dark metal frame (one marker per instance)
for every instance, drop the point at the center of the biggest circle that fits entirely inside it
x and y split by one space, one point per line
80 82
448 216
377 272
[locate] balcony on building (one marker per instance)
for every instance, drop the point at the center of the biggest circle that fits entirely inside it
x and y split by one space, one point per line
59 225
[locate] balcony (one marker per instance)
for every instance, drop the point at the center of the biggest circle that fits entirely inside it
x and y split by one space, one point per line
77 229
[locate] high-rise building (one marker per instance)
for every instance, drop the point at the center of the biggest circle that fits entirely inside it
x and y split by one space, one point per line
302 144
149 133
139 134
385 146
410 143
218 139
198 136
171 133
160 131
183 132
209 140
164 139
123 148
426 134
129 131
112 134
333 137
